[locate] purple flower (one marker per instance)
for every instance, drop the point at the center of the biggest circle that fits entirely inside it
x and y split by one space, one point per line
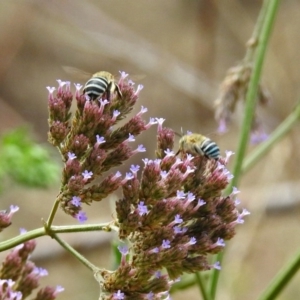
190 197
169 153
40 272
123 249
178 219
129 176
154 250
217 265
13 209
166 244
140 148
160 122
150 296
71 156
180 194
219 243
76 201
200 203
164 174
123 75
142 209
118 295
234 191
50 90
142 111
130 138
152 121
81 216
87 175
58 289
228 155
78 86
100 139
134 169
102 105
139 88
116 113
192 241
61 83
116 176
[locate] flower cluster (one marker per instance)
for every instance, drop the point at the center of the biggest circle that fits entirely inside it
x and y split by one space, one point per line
89 143
234 89
174 215
19 276
172 210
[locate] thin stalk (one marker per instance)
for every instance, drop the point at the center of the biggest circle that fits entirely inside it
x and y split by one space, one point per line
8 244
282 278
251 100
202 287
52 213
274 138
75 253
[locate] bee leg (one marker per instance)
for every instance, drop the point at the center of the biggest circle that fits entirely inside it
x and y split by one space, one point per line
118 91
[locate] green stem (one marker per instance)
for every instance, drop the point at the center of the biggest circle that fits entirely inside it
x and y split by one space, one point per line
283 277
275 137
52 213
8 244
251 95
201 285
75 253
251 100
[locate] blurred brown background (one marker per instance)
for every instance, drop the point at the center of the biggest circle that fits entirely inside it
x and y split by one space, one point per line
183 48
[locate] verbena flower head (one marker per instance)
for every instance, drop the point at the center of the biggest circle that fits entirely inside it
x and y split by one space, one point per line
88 143
19 276
174 215
172 209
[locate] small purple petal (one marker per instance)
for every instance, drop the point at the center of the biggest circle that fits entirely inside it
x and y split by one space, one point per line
87 175
71 156
169 153
180 194
178 219
134 169
118 296
142 208
217 265
166 244
76 201
81 216
123 249
100 139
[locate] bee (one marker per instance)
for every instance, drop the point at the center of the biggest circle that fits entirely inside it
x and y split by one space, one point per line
197 144
100 83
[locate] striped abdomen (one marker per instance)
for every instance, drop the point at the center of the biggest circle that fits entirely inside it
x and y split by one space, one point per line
95 87
210 149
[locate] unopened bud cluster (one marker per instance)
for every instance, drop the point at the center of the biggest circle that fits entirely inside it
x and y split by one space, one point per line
233 89
20 277
89 143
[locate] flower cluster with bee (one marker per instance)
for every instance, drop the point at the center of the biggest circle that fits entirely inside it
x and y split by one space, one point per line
173 212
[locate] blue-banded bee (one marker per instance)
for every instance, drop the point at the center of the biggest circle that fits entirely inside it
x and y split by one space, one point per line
197 144
100 83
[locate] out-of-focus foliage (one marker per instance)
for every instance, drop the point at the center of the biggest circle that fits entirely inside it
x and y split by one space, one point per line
26 162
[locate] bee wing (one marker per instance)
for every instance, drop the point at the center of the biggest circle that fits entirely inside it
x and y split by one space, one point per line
77 73
137 77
